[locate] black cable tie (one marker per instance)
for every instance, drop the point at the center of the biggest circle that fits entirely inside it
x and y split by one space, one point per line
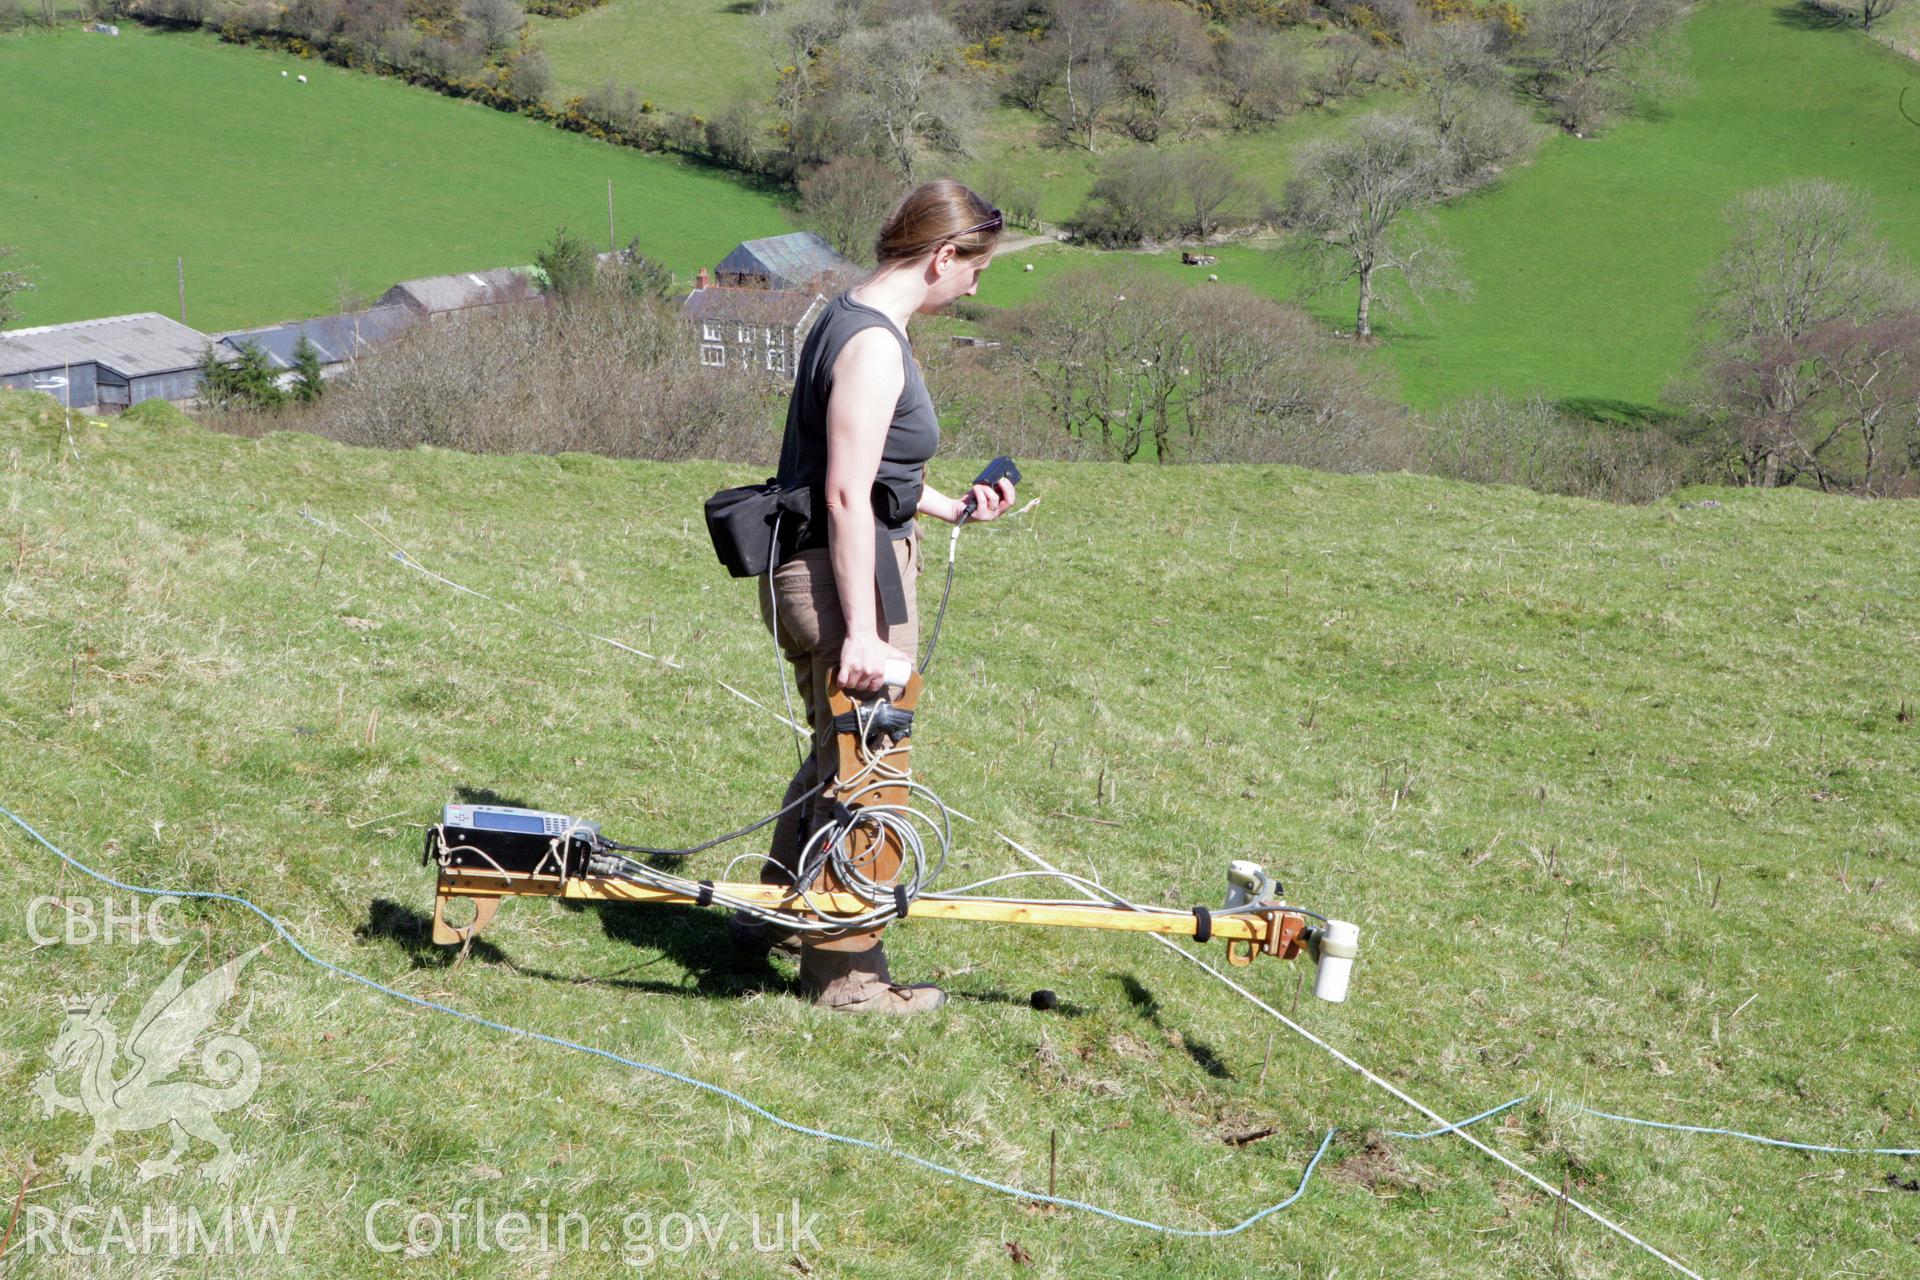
842 816
1202 924
900 901
705 898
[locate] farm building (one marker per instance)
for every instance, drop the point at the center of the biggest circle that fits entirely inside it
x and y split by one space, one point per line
754 309
801 260
751 329
433 297
338 339
105 364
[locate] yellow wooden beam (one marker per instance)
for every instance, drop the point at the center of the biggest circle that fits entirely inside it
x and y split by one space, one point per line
1091 915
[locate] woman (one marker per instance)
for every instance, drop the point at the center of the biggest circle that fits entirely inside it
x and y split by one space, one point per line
860 429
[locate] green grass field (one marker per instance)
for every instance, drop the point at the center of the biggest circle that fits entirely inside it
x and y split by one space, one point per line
686 55
279 195
1622 798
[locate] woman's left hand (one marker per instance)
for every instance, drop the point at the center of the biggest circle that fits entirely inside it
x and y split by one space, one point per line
992 501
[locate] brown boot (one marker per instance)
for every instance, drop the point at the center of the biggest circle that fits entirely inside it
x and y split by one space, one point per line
858 982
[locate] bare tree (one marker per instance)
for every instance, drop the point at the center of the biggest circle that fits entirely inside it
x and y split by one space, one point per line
1255 78
492 25
1872 375
1214 192
1870 393
1134 199
1352 203
1091 87
1800 254
1012 188
846 200
1033 78
1158 52
1589 58
796 37
1146 194
1873 9
1132 366
1351 61
1452 65
1791 339
1491 133
902 89
13 281
1080 41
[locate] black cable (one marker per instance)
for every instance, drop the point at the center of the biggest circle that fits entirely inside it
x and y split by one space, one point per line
941 616
717 840
773 625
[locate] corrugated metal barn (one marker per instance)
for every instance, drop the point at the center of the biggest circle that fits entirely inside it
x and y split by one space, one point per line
338 339
437 296
801 260
105 364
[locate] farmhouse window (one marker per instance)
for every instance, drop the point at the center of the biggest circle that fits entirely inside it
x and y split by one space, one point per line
714 355
710 331
776 360
746 333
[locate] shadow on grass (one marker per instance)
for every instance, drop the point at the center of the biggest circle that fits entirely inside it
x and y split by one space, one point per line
487 795
1147 1005
412 931
696 940
1809 17
1630 413
690 943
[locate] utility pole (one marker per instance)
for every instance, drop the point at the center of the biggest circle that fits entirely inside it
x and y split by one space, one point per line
611 246
180 279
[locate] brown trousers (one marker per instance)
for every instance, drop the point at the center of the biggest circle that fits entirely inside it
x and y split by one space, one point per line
807 620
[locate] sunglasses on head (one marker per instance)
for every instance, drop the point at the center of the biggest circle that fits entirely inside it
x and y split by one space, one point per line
993 223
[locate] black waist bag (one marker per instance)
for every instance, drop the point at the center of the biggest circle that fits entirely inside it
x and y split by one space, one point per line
741 523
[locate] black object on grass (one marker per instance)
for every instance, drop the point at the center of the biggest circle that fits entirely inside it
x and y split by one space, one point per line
1043 999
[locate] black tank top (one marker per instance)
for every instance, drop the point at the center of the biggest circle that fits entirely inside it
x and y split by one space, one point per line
911 438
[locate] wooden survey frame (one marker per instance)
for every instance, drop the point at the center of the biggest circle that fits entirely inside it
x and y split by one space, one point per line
1273 931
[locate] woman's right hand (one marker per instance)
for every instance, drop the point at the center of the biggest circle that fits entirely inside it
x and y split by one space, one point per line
863 663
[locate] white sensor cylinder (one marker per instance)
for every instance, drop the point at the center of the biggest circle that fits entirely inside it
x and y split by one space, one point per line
897 672
1339 944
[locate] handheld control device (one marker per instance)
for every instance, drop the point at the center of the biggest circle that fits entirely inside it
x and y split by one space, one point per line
1000 468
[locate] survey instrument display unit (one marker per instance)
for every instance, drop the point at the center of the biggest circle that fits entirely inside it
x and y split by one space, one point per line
871 863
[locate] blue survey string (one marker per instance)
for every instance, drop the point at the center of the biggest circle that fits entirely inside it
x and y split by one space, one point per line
667 1073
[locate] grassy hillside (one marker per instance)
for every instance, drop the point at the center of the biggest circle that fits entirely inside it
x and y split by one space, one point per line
150 147
1623 800
685 55
1587 263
